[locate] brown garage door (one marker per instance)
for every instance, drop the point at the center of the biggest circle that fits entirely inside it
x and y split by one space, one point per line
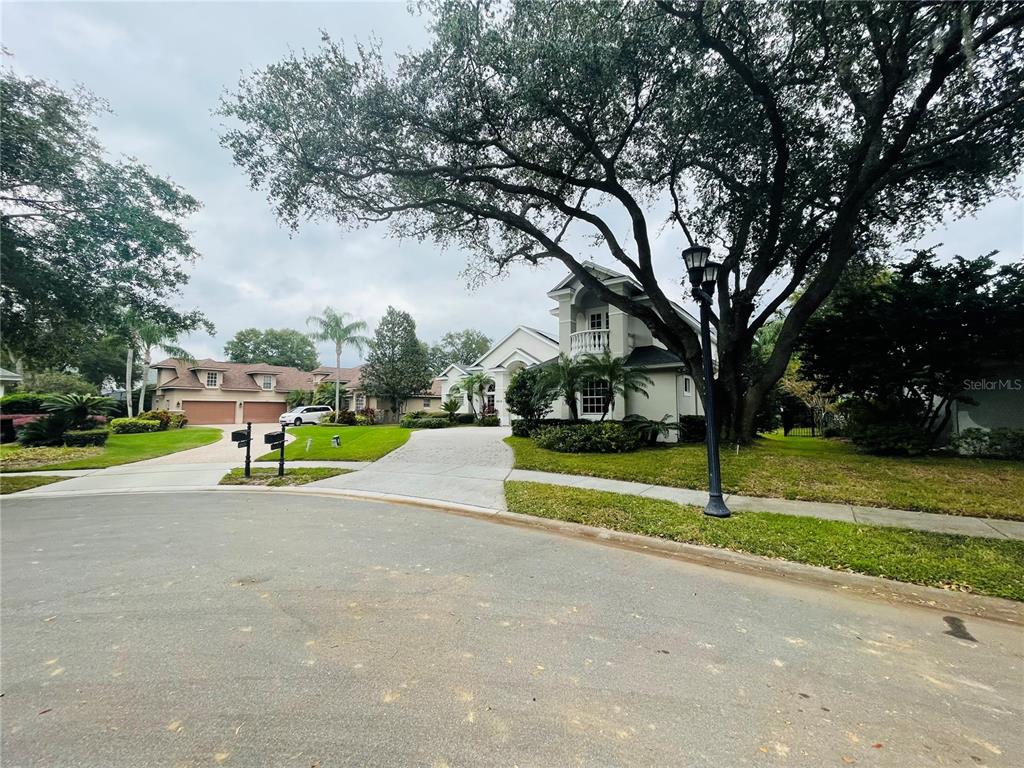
209 411
261 413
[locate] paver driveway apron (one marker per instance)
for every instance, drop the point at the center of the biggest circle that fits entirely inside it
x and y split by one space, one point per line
465 465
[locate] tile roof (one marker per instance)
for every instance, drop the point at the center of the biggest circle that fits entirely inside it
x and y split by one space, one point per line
235 376
348 376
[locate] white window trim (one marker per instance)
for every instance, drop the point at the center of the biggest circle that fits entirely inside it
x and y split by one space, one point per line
592 404
602 321
267 383
687 386
216 379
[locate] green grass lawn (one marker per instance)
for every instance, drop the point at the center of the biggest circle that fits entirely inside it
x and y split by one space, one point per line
811 469
15 483
357 443
985 566
268 476
120 449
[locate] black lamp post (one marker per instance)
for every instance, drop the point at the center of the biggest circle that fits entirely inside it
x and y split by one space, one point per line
703 273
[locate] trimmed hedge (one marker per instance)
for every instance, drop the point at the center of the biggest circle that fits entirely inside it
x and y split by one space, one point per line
692 429
465 418
134 426
525 428
589 437
424 422
489 421
23 402
81 438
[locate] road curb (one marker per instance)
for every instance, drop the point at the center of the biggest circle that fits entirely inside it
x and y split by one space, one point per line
849 584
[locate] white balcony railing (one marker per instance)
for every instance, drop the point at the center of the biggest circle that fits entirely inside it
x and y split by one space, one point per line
587 342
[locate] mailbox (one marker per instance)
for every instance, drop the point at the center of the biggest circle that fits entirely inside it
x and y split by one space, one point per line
336 440
273 437
239 435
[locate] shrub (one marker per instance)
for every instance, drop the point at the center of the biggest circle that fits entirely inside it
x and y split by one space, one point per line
133 426
489 421
524 428
45 431
178 421
589 437
425 422
78 409
465 418
650 430
530 393
369 416
23 402
164 417
81 438
1001 443
692 429
344 418
889 439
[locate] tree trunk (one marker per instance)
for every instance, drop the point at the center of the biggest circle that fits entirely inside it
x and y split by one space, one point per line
337 378
128 372
145 376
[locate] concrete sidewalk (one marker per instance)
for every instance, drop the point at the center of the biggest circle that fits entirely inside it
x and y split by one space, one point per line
847 513
144 475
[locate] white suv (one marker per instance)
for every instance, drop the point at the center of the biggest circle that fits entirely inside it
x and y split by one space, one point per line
305 414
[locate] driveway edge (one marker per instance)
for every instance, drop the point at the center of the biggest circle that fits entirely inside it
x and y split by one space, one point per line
855 584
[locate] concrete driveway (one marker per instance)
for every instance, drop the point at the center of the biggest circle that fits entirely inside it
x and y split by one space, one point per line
273 629
466 465
223 450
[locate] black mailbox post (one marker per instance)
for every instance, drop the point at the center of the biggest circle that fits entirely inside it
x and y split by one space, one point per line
276 442
243 439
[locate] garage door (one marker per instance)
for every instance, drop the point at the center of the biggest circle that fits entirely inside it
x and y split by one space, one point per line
209 411
262 413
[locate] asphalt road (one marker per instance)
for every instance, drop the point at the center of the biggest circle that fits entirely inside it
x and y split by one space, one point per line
276 630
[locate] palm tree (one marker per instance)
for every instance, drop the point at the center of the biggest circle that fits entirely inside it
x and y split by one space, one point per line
616 375
566 375
474 384
337 327
148 336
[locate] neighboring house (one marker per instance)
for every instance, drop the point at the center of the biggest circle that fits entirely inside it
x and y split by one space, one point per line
215 392
523 348
998 395
8 379
355 398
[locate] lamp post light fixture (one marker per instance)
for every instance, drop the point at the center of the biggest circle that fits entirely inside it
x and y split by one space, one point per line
703 274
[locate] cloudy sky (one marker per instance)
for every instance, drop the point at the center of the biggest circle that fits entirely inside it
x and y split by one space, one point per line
163 66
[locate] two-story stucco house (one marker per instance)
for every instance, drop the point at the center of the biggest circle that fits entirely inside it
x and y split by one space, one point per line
215 392
588 325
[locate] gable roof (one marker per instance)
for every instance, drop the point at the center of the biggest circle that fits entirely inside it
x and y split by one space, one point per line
348 376
602 273
444 374
236 376
608 275
536 334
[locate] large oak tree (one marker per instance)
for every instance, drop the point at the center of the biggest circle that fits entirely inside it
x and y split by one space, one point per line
795 137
